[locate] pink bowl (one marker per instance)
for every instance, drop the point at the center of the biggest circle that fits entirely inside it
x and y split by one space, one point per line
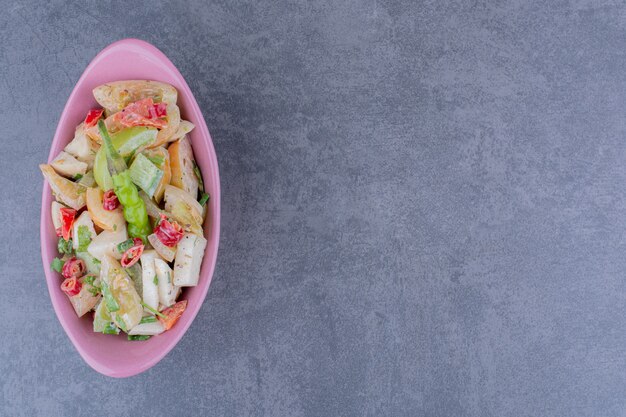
114 355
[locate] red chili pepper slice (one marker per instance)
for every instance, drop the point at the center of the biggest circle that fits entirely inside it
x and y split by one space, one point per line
73 268
168 233
110 201
67 220
71 286
143 113
92 117
131 256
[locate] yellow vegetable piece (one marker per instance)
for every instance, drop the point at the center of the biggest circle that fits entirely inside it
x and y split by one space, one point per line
181 162
123 290
155 154
67 192
173 121
114 96
111 220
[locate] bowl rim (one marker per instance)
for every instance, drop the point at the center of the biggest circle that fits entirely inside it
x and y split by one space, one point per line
213 173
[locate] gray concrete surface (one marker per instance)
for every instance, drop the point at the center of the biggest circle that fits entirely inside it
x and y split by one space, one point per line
423 208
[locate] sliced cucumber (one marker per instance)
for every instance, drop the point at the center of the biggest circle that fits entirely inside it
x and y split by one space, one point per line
133 139
145 174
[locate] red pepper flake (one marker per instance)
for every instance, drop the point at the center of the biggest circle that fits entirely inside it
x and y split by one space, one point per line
71 286
58 232
131 256
92 117
168 233
110 201
67 220
74 268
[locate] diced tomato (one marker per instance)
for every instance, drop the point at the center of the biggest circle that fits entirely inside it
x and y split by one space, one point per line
73 268
71 286
92 117
168 233
172 314
143 113
131 256
110 201
67 220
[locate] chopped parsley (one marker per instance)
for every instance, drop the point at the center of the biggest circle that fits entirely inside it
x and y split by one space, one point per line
125 245
138 337
93 289
84 238
148 319
155 280
163 316
111 328
57 265
204 199
65 246
110 301
77 177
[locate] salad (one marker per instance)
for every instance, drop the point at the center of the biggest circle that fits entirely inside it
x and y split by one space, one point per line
129 211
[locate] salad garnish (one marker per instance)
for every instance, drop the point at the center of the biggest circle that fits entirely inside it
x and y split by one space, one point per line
130 203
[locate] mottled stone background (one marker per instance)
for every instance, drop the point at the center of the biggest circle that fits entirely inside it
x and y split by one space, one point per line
423 208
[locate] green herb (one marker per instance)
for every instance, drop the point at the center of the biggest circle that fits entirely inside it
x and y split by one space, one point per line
155 280
125 245
156 160
196 170
148 319
114 227
169 277
111 328
93 289
57 265
111 302
163 316
138 337
204 199
65 246
84 238
78 177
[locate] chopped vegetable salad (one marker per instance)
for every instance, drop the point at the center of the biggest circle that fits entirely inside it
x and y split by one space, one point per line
129 211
